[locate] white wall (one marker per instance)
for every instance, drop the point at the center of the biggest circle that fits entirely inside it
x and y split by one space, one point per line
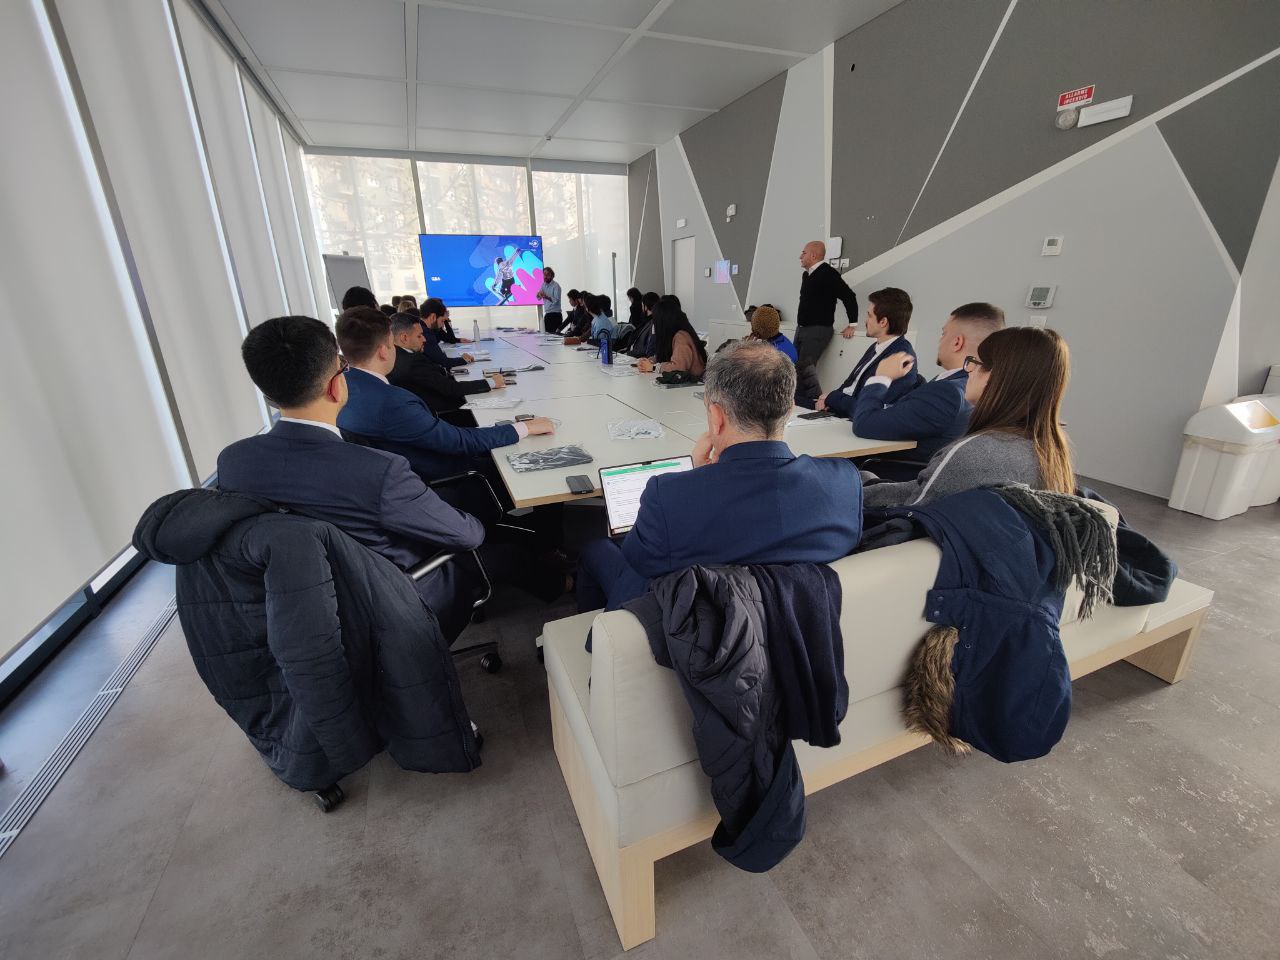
1260 293
1141 299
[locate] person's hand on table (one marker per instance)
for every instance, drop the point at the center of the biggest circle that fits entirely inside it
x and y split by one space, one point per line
895 366
644 365
498 381
468 358
849 332
703 452
820 403
539 425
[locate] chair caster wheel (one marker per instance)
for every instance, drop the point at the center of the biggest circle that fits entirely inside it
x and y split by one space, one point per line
328 797
491 663
541 656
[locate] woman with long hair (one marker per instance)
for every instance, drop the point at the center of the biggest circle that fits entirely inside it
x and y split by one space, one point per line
1016 385
636 315
677 344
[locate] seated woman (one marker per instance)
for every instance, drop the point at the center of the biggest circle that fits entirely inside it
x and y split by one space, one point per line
677 344
1016 384
601 323
766 325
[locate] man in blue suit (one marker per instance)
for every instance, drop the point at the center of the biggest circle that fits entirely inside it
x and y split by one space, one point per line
748 500
888 316
304 464
433 317
936 412
396 420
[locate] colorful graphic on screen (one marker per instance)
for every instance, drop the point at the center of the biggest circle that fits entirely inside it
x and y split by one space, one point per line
467 270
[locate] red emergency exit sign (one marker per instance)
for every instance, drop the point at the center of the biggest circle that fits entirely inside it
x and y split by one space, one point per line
1075 98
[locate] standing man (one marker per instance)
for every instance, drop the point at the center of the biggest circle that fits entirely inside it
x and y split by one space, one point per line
820 288
549 295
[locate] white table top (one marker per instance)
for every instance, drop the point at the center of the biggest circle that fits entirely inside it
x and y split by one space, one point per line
586 396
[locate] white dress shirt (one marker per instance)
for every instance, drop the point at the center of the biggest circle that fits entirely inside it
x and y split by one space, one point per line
880 348
315 423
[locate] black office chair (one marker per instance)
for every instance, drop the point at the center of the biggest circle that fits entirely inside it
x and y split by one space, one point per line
894 469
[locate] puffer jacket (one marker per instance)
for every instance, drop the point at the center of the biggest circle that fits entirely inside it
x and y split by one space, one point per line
760 660
317 647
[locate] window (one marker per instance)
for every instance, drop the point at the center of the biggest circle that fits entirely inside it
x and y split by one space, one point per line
583 221
364 206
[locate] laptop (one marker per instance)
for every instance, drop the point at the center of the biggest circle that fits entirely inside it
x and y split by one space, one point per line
622 486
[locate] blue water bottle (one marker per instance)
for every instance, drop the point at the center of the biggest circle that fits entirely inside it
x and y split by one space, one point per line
605 356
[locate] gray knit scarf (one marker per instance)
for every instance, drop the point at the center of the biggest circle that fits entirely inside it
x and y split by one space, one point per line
1081 536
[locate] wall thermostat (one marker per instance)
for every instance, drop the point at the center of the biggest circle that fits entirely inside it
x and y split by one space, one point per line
1040 296
1052 247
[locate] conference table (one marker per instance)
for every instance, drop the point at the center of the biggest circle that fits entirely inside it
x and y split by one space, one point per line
585 396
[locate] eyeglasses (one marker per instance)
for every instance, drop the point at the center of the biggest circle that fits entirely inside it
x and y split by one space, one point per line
343 366
970 362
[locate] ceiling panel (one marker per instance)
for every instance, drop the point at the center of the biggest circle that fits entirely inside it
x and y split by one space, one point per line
613 13
462 108
801 25
688 75
509 53
350 99
464 141
363 38
628 122
363 135
563 149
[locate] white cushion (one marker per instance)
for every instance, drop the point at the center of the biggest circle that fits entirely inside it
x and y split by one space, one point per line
1183 598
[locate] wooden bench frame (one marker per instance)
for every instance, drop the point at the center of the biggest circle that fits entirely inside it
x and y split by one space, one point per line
626 873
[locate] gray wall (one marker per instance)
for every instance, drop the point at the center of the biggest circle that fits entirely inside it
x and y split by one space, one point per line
645 224
730 154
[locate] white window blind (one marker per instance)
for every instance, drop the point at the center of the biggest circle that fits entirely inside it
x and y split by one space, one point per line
151 144
310 244
582 218
216 85
87 437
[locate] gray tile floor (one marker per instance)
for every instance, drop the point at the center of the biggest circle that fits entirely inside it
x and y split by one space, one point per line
1153 830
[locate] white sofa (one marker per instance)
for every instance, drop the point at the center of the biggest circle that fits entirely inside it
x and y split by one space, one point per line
628 756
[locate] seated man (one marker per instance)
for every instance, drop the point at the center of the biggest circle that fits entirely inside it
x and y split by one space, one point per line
398 421
428 381
936 412
304 465
601 323
432 315
888 315
749 499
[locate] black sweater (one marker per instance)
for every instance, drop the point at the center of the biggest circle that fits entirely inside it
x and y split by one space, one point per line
432 383
819 291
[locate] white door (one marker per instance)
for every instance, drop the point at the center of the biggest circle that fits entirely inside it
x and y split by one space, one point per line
682 272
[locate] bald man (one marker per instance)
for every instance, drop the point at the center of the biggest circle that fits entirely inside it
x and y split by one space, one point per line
820 288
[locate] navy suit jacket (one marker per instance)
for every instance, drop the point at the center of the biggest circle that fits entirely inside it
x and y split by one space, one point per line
933 414
371 495
841 403
759 503
431 349
398 421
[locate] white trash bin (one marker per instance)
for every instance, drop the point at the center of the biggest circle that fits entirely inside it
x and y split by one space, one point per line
1268 491
1226 453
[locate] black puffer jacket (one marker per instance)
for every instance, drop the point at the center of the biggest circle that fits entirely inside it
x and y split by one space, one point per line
320 649
760 660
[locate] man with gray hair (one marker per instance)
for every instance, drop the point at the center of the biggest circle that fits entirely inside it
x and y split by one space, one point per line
748 500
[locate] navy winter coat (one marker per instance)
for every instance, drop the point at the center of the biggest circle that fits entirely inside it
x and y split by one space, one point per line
760 660
320 649
995 586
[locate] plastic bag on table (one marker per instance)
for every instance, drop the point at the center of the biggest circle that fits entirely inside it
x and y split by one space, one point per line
553 458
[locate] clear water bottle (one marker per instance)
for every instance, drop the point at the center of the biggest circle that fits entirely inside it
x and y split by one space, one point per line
605 355
475 331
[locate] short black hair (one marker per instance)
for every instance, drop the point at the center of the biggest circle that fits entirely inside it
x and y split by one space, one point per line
549 273
892 304
650 300
388 309
404 321
633 293
359 297
988 313
290 359
432 305
606 303
361 331
573 294
395 301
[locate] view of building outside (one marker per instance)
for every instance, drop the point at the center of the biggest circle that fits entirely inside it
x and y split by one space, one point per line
365 206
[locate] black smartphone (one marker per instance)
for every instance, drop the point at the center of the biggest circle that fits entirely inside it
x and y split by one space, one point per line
580 483
524 416
816 415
